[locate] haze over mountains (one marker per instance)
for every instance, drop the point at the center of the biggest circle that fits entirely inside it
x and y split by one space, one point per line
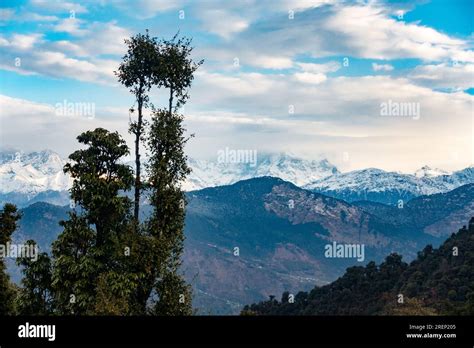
26 178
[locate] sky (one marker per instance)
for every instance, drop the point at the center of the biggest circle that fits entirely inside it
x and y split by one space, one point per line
385 84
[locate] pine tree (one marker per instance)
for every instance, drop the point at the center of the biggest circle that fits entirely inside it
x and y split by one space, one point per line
8 224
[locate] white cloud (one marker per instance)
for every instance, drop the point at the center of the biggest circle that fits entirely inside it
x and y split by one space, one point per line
382 67
35 17
222 23
301 5
270 62
360 31
24 42
244 84
71 26
46 130
332 114
105 38
22 15
145 9
57 6
369 33
324 68
79 59
453 76
53 63
340 115
315 73
311 78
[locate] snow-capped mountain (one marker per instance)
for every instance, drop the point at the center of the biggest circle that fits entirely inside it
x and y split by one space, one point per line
428 172
287 167
390 187
25 175
32 173
38 176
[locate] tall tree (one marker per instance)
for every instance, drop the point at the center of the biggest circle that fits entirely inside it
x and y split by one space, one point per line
175 69
167 169
8 223
136 72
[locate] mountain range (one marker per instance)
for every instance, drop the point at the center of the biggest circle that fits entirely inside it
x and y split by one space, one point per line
26 178
390 187
263 236
287 167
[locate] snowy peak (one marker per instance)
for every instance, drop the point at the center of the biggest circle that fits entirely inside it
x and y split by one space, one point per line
282 165
370 179
388 187
33 172
428 172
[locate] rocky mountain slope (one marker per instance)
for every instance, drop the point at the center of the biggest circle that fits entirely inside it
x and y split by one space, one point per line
264 236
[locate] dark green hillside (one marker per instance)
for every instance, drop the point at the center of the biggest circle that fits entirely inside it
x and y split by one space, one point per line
439 282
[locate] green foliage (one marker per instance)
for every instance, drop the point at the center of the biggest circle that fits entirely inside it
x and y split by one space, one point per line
105 262
137 72
8 223
175 70
89 252
34 298
167 169
439 282
444 278
98 178
76 267
410 306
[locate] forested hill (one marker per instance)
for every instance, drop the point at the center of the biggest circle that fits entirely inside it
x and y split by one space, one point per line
438 282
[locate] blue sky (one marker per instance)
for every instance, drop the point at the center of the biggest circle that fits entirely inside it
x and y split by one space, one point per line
334 63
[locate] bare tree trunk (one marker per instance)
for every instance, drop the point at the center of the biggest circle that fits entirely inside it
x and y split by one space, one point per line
137 161
171 101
